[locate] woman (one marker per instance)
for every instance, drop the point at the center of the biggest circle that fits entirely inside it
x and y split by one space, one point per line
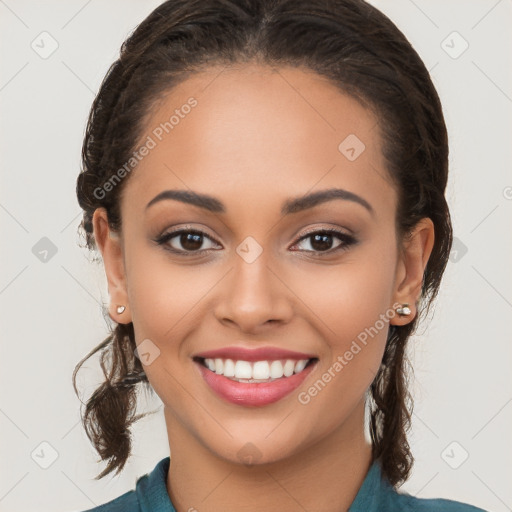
265 182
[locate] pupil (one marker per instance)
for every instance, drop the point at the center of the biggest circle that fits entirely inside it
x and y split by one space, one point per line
321 242
191 241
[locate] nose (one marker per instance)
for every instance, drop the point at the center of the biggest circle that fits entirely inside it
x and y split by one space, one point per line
254 297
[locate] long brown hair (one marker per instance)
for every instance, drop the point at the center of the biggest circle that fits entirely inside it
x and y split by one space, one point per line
362 52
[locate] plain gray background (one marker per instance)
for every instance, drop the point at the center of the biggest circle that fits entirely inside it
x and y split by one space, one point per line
51 308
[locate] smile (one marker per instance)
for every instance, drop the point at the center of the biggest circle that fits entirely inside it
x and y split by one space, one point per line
255 372
253 378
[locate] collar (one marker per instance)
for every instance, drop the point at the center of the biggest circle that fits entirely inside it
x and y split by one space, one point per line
374 492
153 496
152 489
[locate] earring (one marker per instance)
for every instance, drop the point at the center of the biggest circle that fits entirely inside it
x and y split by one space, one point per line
120 309
404 310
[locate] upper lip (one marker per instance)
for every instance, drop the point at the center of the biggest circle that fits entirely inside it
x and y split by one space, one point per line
255 354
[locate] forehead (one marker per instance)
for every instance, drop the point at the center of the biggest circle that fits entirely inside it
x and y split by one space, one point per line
252 131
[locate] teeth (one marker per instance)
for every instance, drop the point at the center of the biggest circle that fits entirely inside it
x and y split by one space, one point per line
276 370
258 371
229 368
300 365
289 367
243 370
261 370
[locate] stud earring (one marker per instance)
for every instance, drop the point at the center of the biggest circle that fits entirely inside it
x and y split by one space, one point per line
404 310
120 309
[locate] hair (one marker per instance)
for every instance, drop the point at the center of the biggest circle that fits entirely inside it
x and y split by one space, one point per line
366 56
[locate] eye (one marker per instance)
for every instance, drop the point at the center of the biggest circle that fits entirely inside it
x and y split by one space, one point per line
321 241
186 241
189 242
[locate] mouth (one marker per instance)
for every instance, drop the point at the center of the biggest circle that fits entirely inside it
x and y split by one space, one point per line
257 382
257 371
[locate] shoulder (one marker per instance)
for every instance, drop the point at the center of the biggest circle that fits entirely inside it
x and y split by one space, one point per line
127 502
378 495
410 503
150 493
400 501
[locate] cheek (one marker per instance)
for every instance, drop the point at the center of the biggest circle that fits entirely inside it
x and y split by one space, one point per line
163 295
350 297
352 303
355 343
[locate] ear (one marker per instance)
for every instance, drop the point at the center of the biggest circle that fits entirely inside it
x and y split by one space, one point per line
110 245
413 259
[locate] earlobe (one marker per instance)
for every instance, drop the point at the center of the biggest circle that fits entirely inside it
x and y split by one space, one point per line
414 258
110 246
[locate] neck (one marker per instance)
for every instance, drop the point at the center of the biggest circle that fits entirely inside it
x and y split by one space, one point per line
324 477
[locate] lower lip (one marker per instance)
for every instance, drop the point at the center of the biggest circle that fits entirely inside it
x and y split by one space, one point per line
253 394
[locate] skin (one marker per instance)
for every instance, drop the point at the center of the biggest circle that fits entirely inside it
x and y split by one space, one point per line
257 137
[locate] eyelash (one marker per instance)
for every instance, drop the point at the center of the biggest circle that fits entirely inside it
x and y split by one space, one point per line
347 240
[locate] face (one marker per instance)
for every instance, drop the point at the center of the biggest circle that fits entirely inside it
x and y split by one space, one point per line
266 272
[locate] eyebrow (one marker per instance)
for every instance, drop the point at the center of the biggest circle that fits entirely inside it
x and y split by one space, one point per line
292 205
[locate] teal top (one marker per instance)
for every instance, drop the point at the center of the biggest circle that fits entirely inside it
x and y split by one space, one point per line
375 495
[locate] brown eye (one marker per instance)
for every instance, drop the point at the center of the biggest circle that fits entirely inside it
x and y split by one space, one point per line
323 240
186 241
